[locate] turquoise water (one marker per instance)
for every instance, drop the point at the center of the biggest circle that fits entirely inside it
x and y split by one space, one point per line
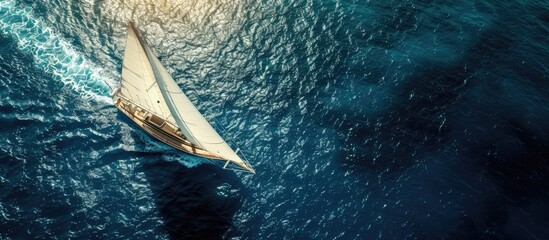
363 120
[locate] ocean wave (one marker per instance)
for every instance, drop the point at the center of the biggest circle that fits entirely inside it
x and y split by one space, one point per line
52 53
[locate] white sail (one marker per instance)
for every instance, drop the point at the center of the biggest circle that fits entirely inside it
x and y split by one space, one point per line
138 82
187 117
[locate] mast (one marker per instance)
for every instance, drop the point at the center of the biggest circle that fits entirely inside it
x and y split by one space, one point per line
183 112
138 83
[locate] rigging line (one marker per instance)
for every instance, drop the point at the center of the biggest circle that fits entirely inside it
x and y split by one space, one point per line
127 82
136 74
148 51
108 85
157 104
169 98
140 49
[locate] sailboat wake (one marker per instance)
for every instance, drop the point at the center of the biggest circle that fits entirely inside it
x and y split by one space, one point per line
51 53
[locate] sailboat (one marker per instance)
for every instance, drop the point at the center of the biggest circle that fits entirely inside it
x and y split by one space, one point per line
151 98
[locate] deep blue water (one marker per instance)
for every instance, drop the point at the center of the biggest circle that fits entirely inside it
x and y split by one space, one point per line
418 119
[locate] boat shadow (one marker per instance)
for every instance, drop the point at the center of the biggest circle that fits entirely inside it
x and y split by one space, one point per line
195 203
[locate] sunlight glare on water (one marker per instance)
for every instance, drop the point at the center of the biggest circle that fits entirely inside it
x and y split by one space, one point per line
363 119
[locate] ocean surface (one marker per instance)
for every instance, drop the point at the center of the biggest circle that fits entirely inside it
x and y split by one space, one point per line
364 119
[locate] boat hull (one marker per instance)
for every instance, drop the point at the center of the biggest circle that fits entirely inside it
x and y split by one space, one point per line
160 128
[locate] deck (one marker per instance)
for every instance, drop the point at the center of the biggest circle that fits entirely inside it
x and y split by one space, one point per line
165 131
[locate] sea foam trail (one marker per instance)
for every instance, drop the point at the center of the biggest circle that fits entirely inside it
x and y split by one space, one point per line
51 53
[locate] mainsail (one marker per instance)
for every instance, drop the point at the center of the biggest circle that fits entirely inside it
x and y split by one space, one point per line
138 83
148 84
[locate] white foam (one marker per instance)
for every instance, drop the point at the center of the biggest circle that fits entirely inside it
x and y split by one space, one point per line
52 53
187 160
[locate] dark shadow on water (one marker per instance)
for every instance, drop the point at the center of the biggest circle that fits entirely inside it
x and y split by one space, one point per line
195 203
391 141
